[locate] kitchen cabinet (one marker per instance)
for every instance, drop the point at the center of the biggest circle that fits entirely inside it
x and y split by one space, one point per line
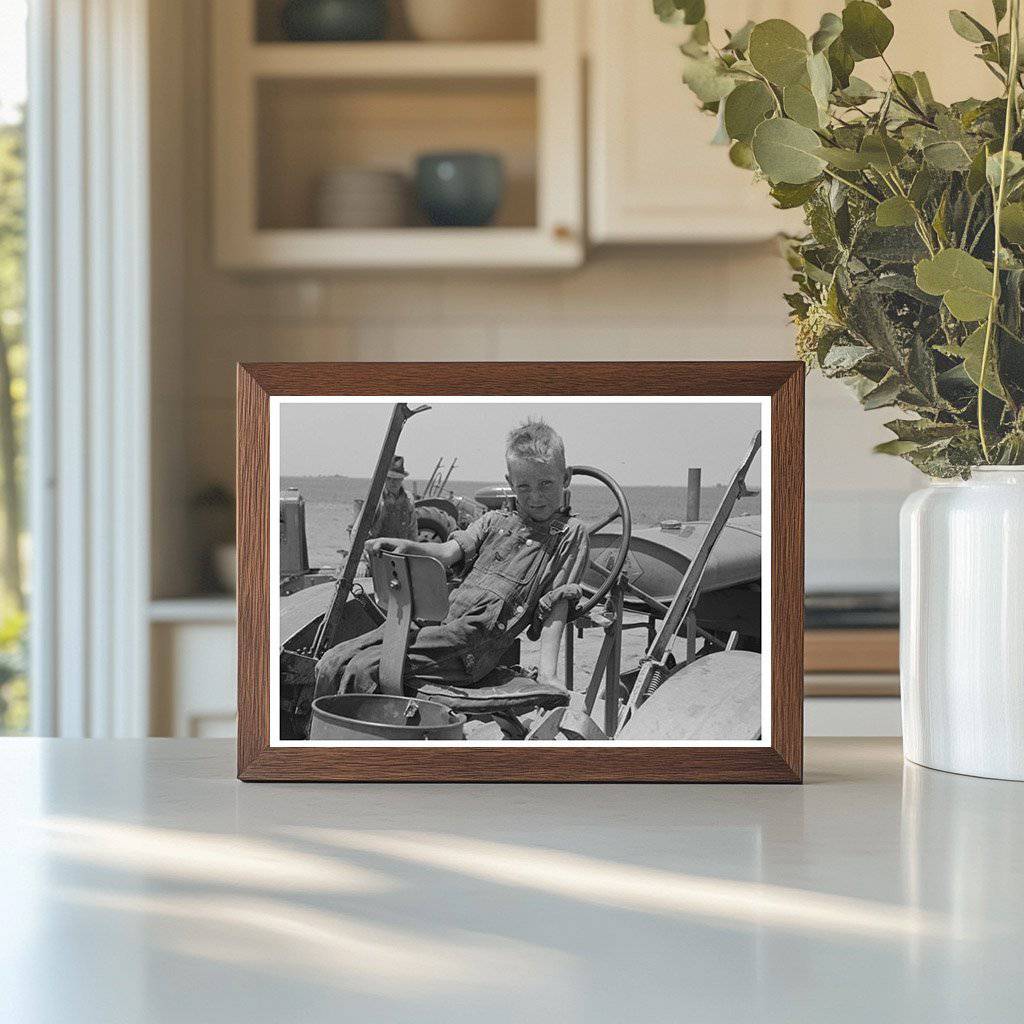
654 177
286 114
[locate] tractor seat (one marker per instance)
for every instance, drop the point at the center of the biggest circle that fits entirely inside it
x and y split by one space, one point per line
414 588
504 691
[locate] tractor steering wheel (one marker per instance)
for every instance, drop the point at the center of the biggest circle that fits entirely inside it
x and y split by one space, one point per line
621 512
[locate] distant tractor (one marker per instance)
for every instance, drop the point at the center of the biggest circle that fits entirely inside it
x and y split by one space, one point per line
439 512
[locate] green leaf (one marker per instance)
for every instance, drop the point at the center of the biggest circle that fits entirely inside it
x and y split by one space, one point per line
1011 226
721 136
947 156
939 220
976 174
905 84
971 352
921 370
844 159
868 318
884 394
689 12
993 166
829 30
745 108
779 51
895 447
741 155
963 281
788 196
693 10
739 41
969 28
707 78
840 61
924 88
922 185
701 34
895 212
819 75
857 91
843 358
889 245
801 106
923 431
666 10
786 151
883 152
866 29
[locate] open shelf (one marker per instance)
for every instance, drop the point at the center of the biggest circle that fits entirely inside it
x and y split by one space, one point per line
308 127
520 23
406 248
286 114
390 60
205 608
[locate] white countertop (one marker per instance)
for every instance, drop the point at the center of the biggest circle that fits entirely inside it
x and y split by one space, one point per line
140 882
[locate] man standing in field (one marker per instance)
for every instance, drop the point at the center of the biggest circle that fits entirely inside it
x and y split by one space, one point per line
395 515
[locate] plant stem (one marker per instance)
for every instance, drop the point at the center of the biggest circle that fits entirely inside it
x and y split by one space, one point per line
853 185
1011 107
768 86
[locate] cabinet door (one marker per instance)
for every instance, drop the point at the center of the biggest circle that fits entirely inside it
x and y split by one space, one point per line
654 176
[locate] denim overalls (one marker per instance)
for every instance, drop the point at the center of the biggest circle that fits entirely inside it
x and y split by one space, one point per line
511 564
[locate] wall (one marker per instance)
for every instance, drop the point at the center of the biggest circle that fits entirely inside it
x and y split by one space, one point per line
651 303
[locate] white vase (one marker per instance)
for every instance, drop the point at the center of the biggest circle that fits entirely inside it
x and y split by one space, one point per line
962 624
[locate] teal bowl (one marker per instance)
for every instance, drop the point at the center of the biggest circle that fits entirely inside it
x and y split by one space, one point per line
461 190
334 21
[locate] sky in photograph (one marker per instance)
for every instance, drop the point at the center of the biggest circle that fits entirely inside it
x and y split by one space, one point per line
637 443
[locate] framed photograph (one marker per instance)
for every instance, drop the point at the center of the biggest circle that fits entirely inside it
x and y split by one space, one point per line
566 572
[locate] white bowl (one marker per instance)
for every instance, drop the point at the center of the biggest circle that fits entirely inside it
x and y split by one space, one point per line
362 198
364 179
471 20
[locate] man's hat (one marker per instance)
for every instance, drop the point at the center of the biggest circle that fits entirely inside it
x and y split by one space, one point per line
397 470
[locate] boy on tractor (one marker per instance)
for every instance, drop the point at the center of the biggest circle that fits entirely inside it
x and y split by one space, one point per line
521 571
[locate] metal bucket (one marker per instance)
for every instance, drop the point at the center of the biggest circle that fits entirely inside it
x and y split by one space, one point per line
374 716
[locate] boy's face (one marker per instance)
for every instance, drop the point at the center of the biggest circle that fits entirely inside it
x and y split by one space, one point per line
538 487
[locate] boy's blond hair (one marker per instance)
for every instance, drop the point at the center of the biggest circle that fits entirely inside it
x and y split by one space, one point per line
536 441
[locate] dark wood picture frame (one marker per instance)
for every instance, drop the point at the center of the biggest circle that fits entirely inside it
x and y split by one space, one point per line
781 761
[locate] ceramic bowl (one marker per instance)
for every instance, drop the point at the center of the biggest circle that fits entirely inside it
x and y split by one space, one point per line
359 197
470 20
459 189
332 21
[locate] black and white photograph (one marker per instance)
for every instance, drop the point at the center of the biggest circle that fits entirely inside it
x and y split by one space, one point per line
502 570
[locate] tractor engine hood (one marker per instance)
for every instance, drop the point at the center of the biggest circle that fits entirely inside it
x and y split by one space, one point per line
659 557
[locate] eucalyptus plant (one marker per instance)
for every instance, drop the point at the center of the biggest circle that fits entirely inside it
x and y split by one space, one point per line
902 290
